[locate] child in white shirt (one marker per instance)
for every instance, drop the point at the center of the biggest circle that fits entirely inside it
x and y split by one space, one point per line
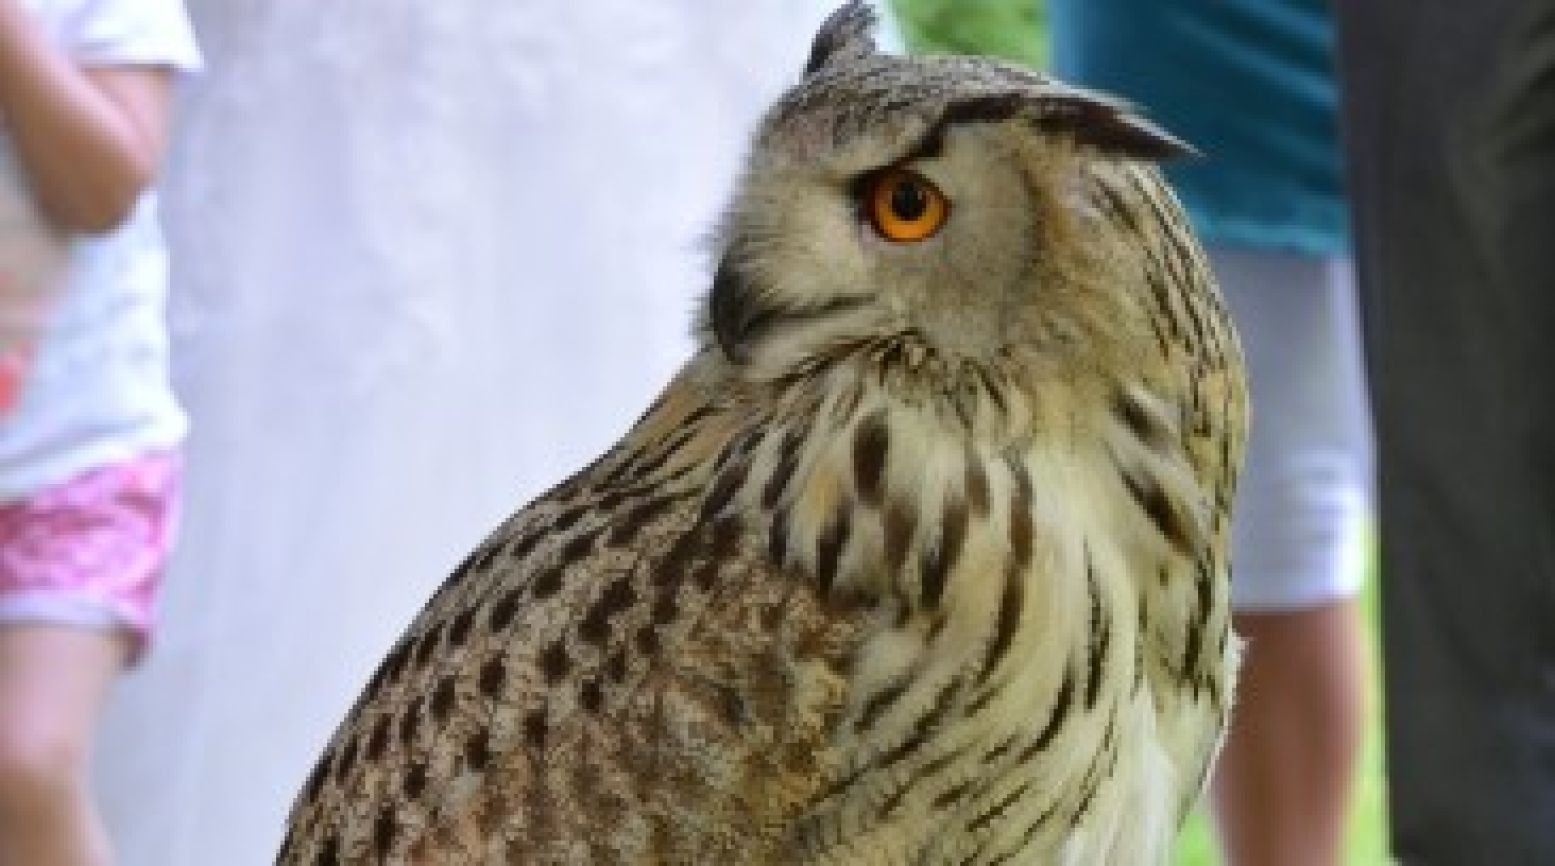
89 429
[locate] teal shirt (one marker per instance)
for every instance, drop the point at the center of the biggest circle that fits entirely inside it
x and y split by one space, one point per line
1250 84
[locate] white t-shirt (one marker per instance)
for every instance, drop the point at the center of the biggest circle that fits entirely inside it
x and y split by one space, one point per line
96 389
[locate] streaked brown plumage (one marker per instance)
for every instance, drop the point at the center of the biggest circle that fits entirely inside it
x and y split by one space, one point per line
920 559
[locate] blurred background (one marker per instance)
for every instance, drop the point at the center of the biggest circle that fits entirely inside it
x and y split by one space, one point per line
429 258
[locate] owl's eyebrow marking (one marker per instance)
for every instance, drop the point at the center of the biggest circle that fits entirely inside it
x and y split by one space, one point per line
929 146
981 109
1093 120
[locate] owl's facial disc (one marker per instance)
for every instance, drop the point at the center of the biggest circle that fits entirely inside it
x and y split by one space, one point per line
889 195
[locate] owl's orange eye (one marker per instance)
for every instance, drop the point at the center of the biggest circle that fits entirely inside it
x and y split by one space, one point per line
904 206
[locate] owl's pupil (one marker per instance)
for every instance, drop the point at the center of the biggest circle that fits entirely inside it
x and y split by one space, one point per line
908 201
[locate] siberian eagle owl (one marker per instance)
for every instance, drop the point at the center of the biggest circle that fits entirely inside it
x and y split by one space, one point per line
921 558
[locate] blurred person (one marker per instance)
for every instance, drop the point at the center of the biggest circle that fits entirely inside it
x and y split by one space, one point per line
1250 84
1449 113
89 428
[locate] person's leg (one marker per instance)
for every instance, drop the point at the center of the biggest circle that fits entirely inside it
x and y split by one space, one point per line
80 562
1450 125
53 680
1282 786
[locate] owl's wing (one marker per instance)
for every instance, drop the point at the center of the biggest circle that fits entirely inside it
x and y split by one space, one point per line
614 661
1182 434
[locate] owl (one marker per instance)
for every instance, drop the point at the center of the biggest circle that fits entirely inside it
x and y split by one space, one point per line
920 558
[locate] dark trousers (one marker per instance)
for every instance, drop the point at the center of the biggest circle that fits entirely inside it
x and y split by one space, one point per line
1450 128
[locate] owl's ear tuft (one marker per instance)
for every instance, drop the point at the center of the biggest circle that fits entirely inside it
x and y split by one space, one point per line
1093 119
1108 124
847 34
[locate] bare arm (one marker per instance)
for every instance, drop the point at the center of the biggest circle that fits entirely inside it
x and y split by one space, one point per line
89 139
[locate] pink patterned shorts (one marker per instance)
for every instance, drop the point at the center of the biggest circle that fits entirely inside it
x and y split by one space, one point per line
90 551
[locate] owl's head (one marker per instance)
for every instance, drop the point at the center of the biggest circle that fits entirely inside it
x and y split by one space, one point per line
948 199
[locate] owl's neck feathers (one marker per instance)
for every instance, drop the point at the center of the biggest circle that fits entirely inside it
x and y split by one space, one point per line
889 473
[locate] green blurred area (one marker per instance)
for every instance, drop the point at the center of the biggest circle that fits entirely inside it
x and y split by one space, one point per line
1011 29
1017 30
